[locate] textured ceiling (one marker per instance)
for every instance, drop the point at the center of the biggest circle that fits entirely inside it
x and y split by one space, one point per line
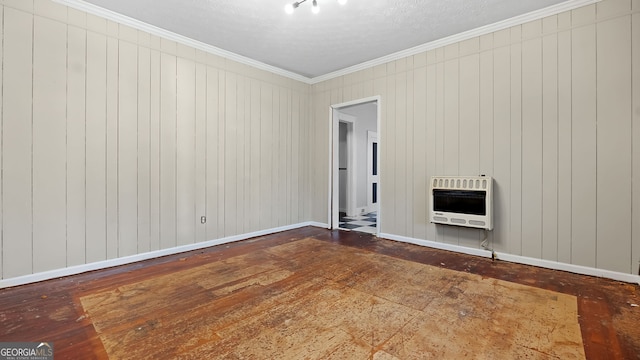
312 45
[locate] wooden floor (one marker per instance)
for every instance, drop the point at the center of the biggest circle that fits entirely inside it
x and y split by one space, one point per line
56 310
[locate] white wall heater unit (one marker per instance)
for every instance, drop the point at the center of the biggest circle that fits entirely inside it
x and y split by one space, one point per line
462 201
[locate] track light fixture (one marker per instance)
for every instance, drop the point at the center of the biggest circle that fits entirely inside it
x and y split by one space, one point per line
289 8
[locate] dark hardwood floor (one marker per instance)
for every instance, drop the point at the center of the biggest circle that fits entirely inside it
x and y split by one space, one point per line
52 311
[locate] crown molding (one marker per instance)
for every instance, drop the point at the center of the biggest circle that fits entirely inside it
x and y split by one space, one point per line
483 30
154 30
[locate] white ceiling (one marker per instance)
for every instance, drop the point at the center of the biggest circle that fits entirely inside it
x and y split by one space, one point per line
313 45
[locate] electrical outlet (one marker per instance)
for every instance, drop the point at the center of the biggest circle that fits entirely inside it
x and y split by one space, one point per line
203 219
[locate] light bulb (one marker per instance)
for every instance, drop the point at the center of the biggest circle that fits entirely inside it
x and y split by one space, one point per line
342 2
288 9
315 8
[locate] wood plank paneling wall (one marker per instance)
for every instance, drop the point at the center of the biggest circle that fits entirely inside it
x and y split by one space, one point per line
550 109
115 142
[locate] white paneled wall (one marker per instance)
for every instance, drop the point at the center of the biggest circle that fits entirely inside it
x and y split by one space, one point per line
115 142
550 109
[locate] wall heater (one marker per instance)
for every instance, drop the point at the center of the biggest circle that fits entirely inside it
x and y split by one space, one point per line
462 201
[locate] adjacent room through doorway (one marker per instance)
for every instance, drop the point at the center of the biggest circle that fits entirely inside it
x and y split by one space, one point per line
355 166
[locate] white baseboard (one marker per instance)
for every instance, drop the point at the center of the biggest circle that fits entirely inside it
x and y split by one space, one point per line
554 265
438 245
578 269
317 224
73 270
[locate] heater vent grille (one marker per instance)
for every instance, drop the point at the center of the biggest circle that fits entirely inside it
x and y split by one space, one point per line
462 201
460 183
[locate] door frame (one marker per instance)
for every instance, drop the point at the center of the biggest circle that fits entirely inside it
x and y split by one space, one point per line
333 183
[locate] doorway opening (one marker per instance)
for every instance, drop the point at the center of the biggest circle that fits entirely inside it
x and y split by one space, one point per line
354 185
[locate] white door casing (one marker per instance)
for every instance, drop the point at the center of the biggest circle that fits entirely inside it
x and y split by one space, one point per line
333 198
